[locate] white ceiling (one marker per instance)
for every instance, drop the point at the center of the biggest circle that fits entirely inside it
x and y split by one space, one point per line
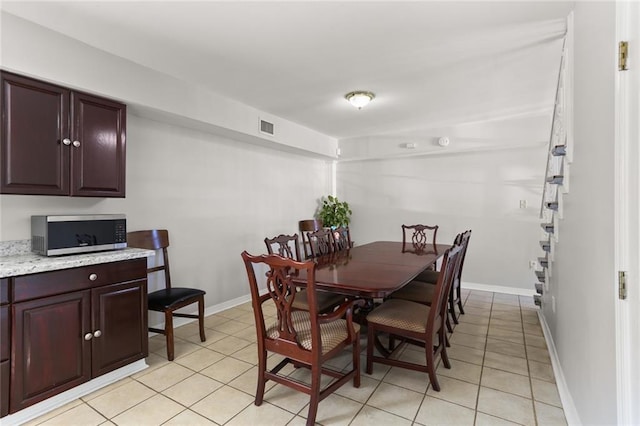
434 66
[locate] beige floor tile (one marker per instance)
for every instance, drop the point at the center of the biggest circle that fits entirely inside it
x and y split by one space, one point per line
166 376
436 412
538 354
361 394
335 410
378 370
466 354
213 321
483 419
246 318
192 389
507 325
478 330
182 348
530 318
396 400
287 398
121 399
233 327
413 380
505 348
200 359
481 312
233 313
157 343
81 415
468 318
53 413
542 371
456 391
506 382
461 370
266 414
189 418
187 330
247 354
508 363
535 341
507 335
248 334
506 406
548 415
228 345
546 392
479 304
154 361
153 411
469 340
226 370
372 416
107 389
513 316
223 404
248 382
532 329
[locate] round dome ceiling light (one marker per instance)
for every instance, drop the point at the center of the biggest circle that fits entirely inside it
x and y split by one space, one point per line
443 141
359 98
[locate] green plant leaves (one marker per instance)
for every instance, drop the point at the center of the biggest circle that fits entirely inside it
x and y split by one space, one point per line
334 212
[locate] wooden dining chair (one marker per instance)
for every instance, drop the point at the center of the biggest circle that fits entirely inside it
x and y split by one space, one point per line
287 246
168 299
341 238
304 338
422 237
414 323
305 226
320 242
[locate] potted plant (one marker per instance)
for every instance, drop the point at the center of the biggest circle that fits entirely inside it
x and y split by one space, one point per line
334 213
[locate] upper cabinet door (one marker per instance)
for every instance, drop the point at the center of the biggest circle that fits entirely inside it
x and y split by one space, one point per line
98 146
35 123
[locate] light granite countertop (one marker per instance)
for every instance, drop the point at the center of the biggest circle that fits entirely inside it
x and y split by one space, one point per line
16 262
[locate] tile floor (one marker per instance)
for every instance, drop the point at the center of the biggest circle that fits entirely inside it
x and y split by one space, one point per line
501 375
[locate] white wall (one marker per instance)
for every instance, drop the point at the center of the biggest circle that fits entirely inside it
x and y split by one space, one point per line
479 191
584 279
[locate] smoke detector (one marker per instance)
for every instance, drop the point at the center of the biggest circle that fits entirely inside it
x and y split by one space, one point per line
443 141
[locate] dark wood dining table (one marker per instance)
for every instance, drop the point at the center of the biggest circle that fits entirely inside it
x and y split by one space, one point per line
373 270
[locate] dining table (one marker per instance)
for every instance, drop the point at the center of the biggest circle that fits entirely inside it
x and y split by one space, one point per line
372 270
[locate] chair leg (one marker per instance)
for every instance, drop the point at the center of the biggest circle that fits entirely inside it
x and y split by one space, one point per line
452 307
443 353
262 367
203 338
431 368
370 338
168 331
448 322
315 394
459 295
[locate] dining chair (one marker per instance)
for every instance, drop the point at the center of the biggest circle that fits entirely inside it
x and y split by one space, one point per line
320 242
168 299
341 238
421 289
414 323
304 338
287 246
422 237
305 226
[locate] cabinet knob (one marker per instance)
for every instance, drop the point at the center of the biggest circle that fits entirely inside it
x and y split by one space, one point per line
97 333
93 277
66 141
88 336
76 143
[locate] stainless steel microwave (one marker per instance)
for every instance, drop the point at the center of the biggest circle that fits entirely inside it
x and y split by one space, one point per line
53 235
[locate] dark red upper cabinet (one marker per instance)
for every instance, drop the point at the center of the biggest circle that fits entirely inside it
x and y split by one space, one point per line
56 141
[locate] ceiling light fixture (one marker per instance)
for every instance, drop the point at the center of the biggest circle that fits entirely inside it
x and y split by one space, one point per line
359 98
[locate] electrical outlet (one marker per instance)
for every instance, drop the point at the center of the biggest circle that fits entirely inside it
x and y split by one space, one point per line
523 204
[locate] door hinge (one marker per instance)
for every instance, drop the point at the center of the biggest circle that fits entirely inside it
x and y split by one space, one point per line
622 285
623 53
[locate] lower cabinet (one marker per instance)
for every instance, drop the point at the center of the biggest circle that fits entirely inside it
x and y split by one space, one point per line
64 338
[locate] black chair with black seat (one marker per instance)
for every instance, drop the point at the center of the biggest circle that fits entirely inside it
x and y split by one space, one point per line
303 338
287 246
169 299
320 242
421 289
414 323
305 226
341 238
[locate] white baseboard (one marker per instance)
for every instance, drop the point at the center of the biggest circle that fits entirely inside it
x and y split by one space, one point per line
498 289
570 412
65 397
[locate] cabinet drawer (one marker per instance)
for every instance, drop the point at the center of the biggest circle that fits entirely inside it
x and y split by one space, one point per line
45 284
4 291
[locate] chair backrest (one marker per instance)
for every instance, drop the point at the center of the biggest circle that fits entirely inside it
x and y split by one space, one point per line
422 236
305 226
466 236
282 291
153 239
284 245
341 238
438 312
320 242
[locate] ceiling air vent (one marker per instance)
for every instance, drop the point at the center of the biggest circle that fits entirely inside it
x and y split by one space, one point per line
266 127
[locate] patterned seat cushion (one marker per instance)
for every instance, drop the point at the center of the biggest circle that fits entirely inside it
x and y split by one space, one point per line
332 334
401 314
416 291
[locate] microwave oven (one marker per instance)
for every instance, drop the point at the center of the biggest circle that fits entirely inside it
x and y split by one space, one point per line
53 235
